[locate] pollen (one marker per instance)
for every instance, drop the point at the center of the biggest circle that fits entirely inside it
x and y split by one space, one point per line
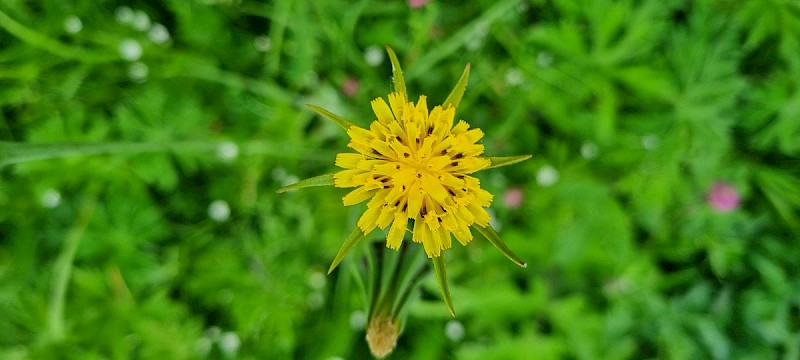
413 166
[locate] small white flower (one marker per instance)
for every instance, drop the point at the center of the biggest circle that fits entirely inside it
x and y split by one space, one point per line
50 198
650 142
514 77
219 211
73 24
547 176
130 50
454 330
158 34
317 280
138 72
373 55
316 300
124 15
476 39
229 343
358 320
227 151
140 21
589 151
278 173
213 333
544 58
262 43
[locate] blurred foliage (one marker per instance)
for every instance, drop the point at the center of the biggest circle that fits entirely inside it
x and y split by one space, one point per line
632 109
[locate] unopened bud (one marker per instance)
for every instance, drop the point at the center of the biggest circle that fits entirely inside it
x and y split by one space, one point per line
382 334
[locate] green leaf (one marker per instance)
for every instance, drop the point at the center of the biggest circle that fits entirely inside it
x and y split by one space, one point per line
506 160
322 180
397 71
355 236
491 235
458 91
331 116
441 276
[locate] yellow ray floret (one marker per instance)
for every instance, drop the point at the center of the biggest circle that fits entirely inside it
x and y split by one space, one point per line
414 164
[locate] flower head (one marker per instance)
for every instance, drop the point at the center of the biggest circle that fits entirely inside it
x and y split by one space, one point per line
723 197
414 164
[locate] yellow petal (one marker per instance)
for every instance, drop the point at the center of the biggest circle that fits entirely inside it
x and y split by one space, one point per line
348 160
433 187
415 197
358 195
382 111
397 231
398 102
481 216
386 216
432 248
463 234
367 221
345 178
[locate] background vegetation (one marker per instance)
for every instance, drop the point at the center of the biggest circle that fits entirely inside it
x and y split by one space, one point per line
632 109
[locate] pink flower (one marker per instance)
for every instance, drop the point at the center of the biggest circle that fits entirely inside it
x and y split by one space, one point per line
350 86
416 4
513 197
723 197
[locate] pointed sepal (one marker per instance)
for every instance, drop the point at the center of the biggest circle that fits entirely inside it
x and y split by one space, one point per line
352 240
506 160
441 276
322 180
344 124
491 235
458 91
397 72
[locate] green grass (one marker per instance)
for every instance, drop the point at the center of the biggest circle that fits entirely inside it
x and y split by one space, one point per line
632 111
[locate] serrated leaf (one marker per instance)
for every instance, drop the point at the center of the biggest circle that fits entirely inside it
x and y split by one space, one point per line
344 124
355 236
506 160
440 269
458 91
491 235
322 180
397 71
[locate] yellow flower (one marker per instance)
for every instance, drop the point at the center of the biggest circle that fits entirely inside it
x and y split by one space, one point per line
415 164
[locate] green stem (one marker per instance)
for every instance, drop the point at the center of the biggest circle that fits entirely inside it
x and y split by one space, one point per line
13 153
47 44
63 269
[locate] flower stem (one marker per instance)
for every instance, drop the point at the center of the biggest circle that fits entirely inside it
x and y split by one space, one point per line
62 269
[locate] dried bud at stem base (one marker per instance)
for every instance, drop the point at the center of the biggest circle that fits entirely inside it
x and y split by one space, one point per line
382 333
